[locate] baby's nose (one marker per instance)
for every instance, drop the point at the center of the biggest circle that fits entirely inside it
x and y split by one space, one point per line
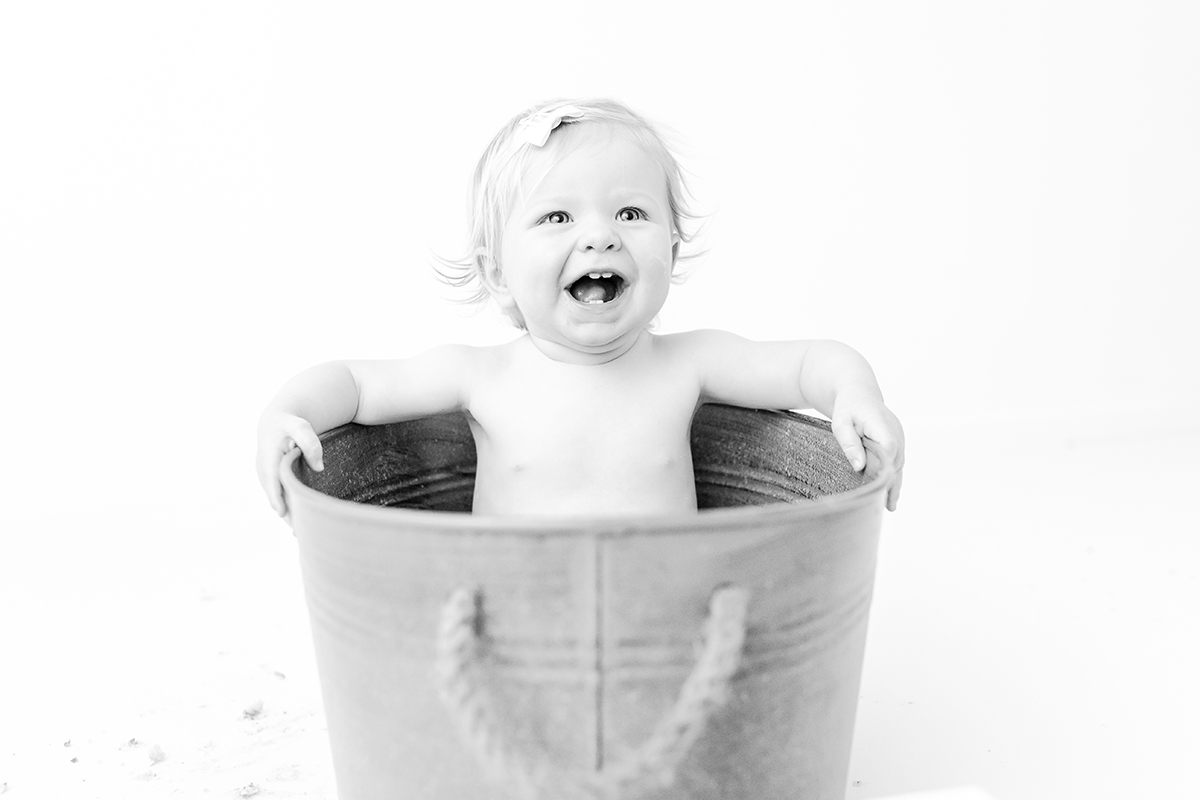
599 236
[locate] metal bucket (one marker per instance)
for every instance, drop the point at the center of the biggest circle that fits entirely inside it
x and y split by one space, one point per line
714 655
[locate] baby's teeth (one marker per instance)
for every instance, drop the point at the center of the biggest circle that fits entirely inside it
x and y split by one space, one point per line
594 275
606 275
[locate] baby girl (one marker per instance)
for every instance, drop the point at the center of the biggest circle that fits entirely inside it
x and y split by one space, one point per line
579 217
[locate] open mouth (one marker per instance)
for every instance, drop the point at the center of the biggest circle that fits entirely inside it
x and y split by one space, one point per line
596 288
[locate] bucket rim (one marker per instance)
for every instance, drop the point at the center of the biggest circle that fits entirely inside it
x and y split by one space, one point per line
732 518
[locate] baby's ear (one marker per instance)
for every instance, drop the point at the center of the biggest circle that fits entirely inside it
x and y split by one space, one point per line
493 278
497 287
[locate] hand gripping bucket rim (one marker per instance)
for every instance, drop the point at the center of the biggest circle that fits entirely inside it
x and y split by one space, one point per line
615 525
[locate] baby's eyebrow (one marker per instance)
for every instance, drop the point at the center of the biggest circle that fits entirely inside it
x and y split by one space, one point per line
553 200
637 196
618 199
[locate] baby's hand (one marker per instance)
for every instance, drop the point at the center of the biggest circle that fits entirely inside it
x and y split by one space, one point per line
279 433
871 436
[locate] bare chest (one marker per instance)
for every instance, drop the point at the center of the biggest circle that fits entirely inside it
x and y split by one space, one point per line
596 440
587 419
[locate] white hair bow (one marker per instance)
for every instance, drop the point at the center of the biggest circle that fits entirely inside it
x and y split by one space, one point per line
536 128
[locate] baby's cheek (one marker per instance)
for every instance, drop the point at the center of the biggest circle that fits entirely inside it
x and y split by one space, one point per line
660 261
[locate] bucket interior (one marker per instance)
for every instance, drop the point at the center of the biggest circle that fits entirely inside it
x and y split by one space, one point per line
741 457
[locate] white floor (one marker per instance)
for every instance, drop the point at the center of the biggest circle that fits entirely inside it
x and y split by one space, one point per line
1034 630
1033 635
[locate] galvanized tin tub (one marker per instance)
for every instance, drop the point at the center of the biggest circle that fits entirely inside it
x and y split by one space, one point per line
714 655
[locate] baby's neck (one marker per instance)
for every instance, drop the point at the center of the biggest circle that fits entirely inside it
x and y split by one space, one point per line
596 356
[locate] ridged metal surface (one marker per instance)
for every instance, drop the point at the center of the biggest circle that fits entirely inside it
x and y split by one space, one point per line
589 627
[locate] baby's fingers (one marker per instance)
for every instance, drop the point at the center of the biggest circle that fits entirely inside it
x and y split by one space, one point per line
880 456
304 437
893 495
275 497
851 444
888 453
268 478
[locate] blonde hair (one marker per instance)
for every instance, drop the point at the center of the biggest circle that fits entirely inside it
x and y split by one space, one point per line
505 162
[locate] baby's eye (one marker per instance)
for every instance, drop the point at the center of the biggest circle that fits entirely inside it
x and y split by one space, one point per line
556 218
630 214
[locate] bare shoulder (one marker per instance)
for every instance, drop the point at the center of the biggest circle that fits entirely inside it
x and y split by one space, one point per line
457 357
701 346
440 379
452 359
466 366
733 369
705 354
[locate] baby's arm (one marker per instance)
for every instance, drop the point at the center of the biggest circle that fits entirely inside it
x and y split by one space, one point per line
828 376
368 392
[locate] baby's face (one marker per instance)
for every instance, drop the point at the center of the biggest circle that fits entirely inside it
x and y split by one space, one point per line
587 252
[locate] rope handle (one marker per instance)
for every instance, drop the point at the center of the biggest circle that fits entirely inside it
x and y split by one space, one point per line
651 765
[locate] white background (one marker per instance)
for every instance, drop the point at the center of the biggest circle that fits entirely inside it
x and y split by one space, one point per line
997 203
